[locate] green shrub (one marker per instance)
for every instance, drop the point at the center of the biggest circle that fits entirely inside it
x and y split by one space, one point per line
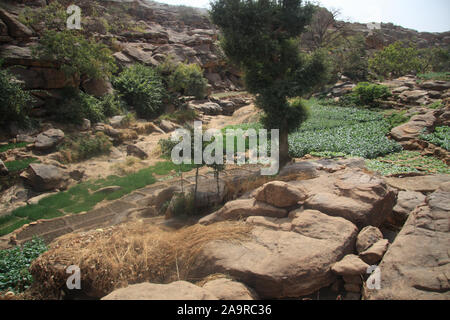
14 265
440 137
142 88
112 105
444 76
397 60
53 16
78 56
367 93
85 147
76 106
438 59
15 103
188 80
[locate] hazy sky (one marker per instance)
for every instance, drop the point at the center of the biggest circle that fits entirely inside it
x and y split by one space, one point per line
421 15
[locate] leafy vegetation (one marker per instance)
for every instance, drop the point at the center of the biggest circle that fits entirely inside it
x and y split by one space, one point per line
14 101
347 130
368 93
407 162
77 105
180 116
142 89
440 137
188 80
396 118
14 264
397 59
444 76
77 55
84 147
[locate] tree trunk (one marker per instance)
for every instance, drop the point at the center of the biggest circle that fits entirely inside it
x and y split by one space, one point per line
284 148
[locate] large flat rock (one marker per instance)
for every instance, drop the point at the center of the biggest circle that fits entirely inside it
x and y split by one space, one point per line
420 183
417 265
290 257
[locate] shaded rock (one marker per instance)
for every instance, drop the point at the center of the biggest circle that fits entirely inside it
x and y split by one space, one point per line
208 108
367 237
282 264
180 290
281 194
351 265
98 87
352 287
416 265
49 139
435 85
353 279
167 126
25 138
407 201
85 125
3 169
44 177
117 121
133 150
77 175
226 289
375 253
15 28
238 209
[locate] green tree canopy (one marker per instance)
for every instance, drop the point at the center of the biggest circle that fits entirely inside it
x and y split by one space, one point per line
261 37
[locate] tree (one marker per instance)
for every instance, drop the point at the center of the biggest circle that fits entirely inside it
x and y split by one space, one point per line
260 36
324 29
396 60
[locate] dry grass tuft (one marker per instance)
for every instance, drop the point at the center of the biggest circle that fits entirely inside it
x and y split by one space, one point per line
127 254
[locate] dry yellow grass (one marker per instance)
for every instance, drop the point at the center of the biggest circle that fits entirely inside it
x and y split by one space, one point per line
126 254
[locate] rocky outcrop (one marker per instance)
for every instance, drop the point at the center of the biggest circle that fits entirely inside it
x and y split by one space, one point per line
281 194
407 201
367 237
416 266
286 257
15 28
3 169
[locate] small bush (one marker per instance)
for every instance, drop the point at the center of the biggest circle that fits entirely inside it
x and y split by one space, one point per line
77 106
14 264
142 88
188 80
367 93
14 101
85 147
112 105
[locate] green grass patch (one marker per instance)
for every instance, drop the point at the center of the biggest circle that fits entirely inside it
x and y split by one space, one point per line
180 116
19 165
444 76
407 162
351 131
14 265
83 197
13 146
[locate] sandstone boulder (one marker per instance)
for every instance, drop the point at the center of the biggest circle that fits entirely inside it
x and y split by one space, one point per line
351 265
44 177
133 150
3 169
367 237
375 253
97 87
281 194
180 290
49 139
290 258
407 201
226 289
416 266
